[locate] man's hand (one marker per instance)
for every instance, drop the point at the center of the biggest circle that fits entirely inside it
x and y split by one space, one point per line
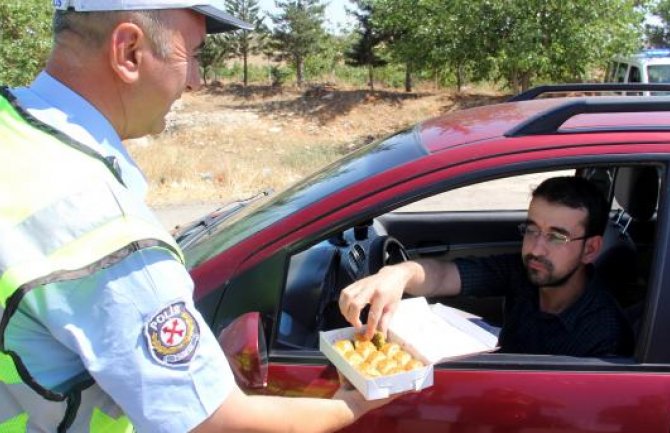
382 291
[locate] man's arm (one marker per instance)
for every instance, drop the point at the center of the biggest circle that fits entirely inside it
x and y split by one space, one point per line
383 291
243 413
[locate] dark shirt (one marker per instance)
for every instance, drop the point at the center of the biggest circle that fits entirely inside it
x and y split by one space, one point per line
593 326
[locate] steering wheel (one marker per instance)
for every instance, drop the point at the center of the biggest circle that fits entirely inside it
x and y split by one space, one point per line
385 250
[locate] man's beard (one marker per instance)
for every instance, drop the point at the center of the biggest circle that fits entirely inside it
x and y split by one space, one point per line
550 280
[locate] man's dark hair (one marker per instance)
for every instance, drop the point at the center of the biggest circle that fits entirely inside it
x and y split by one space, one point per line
577 193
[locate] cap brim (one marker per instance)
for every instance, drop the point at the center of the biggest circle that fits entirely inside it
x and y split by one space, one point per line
218 21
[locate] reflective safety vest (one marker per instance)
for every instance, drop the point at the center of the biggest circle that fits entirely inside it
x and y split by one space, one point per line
64 214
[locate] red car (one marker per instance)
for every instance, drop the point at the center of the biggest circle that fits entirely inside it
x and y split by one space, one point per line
284 258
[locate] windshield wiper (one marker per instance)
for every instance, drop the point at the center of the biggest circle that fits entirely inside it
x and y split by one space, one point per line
183 235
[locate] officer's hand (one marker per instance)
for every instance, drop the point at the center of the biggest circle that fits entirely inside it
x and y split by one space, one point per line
382 291
359 405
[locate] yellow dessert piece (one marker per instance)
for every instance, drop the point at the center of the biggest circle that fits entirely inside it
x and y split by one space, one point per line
360 337
368 370
386 366
390 349
343 346
354 358
402 358
372 361
413 365
375 358
366 350
364 344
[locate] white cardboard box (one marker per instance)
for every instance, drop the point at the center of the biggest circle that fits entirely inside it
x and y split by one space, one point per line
431 333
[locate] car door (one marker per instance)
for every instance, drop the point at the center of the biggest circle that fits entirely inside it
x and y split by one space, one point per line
502 392
484 393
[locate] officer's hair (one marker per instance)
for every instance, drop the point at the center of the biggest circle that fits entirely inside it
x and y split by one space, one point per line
93 28
577 193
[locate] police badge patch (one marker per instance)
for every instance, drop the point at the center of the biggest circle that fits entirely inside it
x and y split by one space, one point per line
172 335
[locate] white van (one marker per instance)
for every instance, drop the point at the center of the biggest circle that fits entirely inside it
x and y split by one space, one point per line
648 66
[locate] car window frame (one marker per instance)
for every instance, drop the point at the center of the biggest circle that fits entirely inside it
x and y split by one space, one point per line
536 362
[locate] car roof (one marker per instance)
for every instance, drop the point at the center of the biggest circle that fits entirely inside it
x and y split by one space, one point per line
480 123
509 119
646 57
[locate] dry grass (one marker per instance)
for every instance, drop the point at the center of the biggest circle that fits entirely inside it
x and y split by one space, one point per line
225 142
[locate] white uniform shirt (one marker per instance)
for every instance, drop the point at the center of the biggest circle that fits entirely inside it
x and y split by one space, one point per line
53 103
103 325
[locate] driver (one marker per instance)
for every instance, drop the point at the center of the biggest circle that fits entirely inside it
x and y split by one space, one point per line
555 303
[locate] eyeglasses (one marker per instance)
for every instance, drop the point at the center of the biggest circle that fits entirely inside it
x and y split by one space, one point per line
553 238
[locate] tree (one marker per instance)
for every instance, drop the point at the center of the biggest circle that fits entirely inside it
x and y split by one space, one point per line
659 35
523 40
560 40
410 40
243 43
458 38
331 53
298 31
25 39
363 52
216 48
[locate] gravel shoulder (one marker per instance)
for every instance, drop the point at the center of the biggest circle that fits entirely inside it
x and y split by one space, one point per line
172 216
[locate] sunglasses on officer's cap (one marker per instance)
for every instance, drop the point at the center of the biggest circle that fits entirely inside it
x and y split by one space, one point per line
217 19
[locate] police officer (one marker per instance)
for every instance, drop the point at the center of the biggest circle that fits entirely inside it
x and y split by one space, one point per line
98 331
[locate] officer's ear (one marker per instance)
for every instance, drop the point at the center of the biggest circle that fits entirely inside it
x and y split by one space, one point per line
127 45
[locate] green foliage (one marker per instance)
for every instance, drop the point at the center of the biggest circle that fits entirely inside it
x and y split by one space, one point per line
244 43
279 75
215 50
298 31
25 39
523 40
560 41
365 50
519 42
330 54
659 36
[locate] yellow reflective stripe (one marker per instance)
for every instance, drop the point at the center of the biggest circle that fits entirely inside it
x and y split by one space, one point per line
18 424
111 237
103 423
6 107
6 290
87 249
36 176
8 373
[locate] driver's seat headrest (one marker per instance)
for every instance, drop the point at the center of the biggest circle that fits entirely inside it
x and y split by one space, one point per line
636 190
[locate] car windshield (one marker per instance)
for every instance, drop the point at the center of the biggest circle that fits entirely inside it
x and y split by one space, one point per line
658 73
364 163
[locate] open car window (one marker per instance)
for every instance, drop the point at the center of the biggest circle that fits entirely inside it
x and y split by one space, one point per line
486 196
479 219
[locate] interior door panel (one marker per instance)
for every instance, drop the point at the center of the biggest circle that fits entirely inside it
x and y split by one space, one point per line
455 234
450 235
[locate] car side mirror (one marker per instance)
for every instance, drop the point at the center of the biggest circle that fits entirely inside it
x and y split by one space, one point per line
243 343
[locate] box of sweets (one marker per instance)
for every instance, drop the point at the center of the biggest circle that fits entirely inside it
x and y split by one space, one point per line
419 336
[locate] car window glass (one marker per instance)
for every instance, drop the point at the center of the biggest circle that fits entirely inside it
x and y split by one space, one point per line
634 76
621 73
486 195
316 275
361 164
609 76
658 73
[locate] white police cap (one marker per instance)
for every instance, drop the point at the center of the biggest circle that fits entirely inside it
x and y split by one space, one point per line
217 19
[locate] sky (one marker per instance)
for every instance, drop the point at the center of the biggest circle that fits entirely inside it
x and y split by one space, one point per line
335 14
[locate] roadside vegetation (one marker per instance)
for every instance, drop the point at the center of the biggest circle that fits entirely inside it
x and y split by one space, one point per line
289 97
